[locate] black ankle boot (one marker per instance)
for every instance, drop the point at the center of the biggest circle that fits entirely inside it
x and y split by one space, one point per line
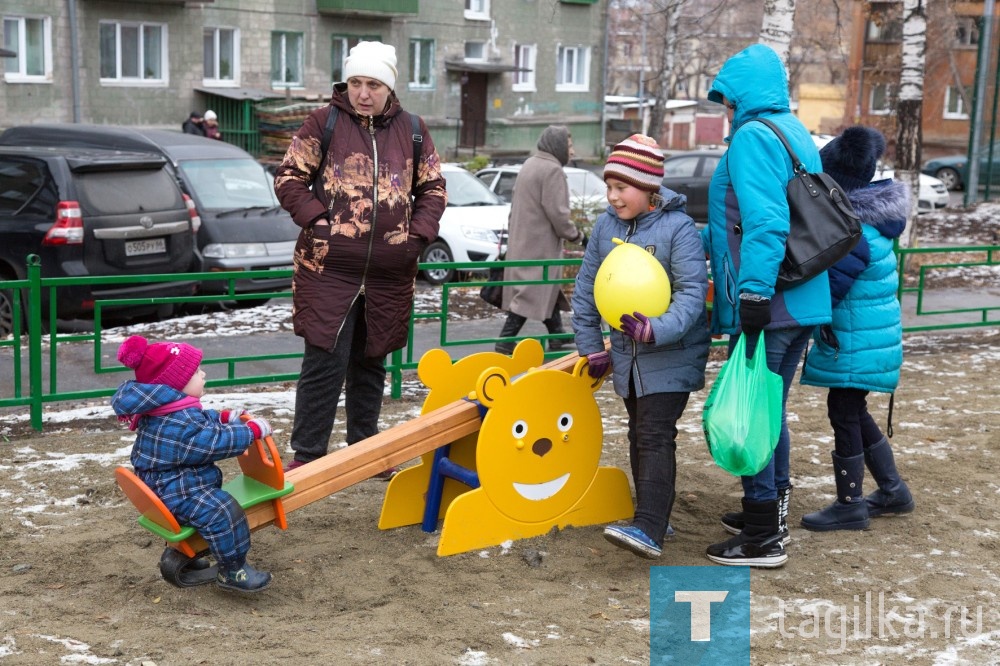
892 495
848 511
511 327
733 521
759 544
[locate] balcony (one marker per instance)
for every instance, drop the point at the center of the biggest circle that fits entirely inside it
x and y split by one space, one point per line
384 8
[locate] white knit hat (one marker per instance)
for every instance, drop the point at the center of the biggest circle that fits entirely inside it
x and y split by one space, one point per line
374 60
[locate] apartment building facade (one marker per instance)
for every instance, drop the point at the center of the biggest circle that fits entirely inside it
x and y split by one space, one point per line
486 75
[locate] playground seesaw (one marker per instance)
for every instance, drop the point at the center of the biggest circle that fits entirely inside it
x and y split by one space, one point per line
267 494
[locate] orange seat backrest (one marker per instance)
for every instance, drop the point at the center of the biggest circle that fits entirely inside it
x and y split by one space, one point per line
145 500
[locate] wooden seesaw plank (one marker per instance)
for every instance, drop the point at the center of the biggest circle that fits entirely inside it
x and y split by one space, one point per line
345 467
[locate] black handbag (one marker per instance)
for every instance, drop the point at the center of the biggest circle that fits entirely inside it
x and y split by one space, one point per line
493 293
823 227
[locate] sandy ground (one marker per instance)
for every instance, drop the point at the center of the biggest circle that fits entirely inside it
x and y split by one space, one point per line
79 582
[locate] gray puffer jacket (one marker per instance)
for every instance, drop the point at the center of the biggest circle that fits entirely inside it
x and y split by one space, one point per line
675 361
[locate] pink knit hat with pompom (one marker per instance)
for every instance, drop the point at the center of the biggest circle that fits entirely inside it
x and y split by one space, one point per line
170 363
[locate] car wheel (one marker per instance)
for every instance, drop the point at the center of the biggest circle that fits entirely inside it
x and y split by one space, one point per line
951 179
438 252
6 313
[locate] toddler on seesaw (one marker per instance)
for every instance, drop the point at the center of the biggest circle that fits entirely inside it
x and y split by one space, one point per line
177 445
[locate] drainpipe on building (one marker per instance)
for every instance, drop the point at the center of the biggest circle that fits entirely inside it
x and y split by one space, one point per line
975 136
74 57
604 87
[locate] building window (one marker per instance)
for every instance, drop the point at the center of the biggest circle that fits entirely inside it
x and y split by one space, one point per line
881 100
967 32
475 51
524 59
572 68
133 52
477 10
421 63
340 48
887 30
957 104
30 37
221 56
286 59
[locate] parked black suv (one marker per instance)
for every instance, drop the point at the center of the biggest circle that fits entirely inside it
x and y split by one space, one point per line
92 212
243 227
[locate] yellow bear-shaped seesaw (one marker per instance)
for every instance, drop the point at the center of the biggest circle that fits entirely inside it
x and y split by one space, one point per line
533 465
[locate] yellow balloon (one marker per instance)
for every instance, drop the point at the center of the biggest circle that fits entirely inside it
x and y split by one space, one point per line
629 280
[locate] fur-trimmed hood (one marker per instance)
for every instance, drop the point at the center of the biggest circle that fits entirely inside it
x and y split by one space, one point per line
884 205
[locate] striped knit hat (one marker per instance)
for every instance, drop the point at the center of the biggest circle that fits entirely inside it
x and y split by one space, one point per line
637 161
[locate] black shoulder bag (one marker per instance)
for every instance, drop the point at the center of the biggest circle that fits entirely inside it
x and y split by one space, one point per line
823 227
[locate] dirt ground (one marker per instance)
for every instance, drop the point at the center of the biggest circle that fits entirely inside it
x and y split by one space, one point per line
79 580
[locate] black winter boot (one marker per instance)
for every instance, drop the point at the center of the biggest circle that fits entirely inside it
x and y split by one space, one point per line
511 327
892 495
733 521
848 511
759 544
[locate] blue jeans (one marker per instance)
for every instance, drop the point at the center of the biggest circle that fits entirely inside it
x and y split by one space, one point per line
784 353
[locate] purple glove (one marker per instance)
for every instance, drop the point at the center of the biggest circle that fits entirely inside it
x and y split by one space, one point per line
231 415
637 327
260 427
598 364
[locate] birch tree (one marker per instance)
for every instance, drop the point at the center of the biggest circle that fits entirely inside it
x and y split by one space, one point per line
908 107
776 31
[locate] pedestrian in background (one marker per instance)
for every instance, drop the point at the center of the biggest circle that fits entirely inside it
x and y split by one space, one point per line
539 223
195 124
367 207
211 125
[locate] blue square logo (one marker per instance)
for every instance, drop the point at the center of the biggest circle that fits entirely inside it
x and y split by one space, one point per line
699 615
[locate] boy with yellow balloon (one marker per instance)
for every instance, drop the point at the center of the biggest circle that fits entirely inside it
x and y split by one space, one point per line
644 273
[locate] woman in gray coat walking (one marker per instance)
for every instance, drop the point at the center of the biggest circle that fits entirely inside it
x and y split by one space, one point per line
539 223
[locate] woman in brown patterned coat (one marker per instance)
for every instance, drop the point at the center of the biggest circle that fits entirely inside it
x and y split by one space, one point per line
356 257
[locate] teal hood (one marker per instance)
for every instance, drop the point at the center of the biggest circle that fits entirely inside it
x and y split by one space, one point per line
755 81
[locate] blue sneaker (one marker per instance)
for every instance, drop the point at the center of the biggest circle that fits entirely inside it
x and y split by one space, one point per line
634 539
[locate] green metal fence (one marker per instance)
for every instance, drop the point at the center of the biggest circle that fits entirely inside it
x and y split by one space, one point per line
924 308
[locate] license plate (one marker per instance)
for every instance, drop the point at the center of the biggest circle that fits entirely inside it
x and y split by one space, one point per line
145 246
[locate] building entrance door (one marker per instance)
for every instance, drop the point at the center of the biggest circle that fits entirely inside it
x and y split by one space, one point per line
473 109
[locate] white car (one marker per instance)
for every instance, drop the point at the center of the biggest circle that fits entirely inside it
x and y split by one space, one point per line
933 193
586 189
473 227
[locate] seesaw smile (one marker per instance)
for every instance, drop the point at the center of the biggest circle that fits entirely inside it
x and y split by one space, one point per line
541 491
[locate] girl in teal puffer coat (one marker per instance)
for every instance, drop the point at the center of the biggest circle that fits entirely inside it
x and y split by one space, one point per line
862 350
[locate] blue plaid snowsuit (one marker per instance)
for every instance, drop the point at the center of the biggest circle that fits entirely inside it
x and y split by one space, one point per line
175 456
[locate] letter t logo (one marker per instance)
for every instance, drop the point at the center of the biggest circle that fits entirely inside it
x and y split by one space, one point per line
701 610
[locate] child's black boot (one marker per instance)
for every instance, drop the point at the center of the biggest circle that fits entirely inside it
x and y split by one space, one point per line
733 521
849 511
242 578
759 544
892 495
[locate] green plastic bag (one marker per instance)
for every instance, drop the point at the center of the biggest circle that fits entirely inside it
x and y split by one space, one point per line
742 415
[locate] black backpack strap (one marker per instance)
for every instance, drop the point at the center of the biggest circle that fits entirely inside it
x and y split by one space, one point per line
324 145
418 144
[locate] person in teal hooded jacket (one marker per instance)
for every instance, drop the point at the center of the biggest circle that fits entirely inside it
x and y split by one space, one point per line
862 350
748 221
